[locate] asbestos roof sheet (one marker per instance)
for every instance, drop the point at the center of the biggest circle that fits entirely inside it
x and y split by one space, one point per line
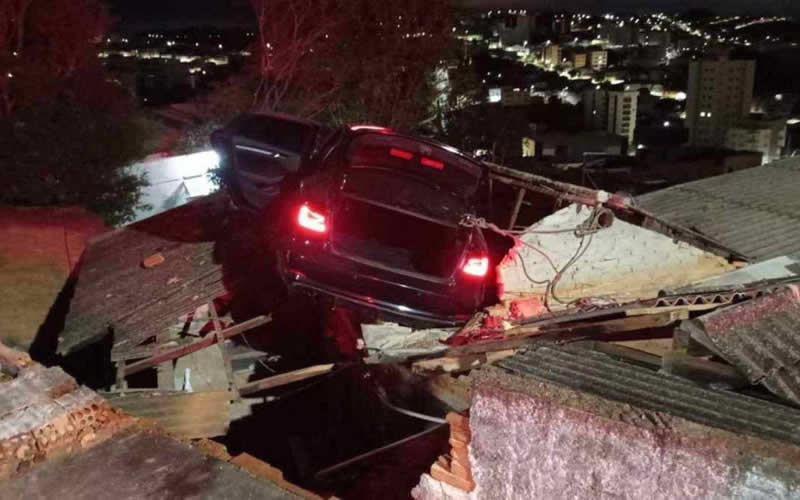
755 212
582 369
761 337
137 464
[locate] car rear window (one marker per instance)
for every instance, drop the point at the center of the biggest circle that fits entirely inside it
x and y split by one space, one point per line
433 163
278 132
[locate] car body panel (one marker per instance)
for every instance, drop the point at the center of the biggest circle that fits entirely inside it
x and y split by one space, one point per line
391 204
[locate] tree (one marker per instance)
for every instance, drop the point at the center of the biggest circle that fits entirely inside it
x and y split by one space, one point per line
66 131
388 53
289 32
350 60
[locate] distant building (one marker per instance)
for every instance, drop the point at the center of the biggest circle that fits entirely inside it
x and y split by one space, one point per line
552 55
614 111
560 147
595 109
598 60
765 136
720 93
622 108
652 37
515 96
515 29
579 60
620 34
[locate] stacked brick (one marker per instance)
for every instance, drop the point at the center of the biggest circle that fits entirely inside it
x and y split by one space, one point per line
45 414
454 469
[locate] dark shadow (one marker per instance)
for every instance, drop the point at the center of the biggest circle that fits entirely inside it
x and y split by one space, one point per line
315 424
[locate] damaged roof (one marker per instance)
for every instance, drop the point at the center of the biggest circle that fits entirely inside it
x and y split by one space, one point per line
760 337
755 211
580 368
115 290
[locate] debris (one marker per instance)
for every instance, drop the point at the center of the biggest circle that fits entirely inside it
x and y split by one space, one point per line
760 337
703 371
460 363
264 470
285 378
154 260
202 343
570 421
393 342
455 469
188 415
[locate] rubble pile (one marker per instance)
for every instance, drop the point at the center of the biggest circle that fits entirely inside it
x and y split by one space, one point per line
624 356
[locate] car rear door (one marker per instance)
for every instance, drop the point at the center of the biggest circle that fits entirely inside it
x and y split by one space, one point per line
266 149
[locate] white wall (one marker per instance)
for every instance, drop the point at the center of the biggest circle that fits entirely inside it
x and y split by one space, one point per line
623 262
174 181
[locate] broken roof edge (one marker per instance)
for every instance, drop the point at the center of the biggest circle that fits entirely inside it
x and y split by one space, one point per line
624 207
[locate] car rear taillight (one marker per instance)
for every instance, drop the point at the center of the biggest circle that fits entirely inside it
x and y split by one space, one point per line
476 266
311 220
430 162
399 153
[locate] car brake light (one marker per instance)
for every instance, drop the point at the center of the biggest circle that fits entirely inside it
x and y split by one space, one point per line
399 153
476 266
311 220
428 162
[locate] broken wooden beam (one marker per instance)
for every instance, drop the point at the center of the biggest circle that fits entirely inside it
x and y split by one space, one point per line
197 345
285 378
704 371
456 364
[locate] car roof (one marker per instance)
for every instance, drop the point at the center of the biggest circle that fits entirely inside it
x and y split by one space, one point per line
374 129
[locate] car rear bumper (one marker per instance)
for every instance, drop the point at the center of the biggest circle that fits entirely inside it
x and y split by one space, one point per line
391 310
392 297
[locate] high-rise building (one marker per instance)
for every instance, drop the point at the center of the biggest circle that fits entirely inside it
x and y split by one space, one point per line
579 60
765 136
720 93
595 109
622 107
612 110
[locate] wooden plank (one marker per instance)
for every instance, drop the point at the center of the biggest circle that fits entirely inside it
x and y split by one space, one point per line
285 378
455 364
517 206
189 415
165 374
521 336
225 358
197 345
264 470
704 371
635 356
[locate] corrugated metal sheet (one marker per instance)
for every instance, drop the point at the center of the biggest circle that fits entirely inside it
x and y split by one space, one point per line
582 369
755 211
761 337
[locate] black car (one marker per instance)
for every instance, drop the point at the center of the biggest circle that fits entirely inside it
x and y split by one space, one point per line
375 219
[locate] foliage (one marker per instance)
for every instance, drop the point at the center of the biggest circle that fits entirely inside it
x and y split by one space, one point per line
67 152
66 131
226 100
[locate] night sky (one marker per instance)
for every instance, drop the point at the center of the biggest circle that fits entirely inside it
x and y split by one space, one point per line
133 15
138 14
